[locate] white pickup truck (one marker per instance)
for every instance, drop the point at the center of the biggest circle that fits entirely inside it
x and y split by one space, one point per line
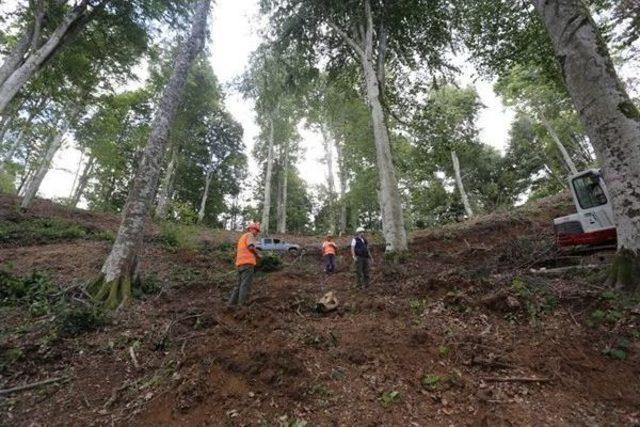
278 245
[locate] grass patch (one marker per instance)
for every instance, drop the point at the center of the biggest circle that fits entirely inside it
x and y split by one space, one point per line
40 230
179 236
389 398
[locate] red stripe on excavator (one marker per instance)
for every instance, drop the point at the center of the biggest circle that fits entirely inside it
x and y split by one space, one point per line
592 238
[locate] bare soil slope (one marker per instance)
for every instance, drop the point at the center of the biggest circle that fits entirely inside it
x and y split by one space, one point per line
457 332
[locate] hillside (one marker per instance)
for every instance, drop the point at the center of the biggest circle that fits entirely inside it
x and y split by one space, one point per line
460 331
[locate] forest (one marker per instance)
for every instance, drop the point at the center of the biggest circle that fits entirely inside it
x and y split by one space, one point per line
166 171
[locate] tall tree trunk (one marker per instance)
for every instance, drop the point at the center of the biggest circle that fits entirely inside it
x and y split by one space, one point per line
166 187
120 268
565 154
282 216
21 75
390 204
342 176
328 157
43 166
266 208
76 176
279 206
463 193
611 119
205 195
234 215
390 207
13 147
83 180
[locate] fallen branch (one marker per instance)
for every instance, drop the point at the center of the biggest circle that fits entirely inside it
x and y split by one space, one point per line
132 353
114 394
32 385
479 361
562 270
516 379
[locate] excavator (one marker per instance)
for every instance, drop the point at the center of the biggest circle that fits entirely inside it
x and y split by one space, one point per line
592 225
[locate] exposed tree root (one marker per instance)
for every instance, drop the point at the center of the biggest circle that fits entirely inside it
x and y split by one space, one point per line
112 294
625 271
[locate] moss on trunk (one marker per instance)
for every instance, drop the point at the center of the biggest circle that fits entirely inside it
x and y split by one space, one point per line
625 271
115 293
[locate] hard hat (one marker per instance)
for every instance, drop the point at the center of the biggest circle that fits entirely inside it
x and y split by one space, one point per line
254 226
360 230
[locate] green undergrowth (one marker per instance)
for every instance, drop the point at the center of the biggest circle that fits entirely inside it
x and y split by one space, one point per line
39 296
45 230
37 304
270 262
179 236
536 296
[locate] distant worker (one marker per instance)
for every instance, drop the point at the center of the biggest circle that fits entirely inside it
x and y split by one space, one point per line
329 249
362 257
247 255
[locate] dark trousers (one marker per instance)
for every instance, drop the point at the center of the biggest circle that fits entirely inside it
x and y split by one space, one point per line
329 263
242 288
362 271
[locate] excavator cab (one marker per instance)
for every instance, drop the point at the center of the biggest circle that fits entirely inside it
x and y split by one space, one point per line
592 224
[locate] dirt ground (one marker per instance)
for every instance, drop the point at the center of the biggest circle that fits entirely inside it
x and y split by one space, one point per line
458 332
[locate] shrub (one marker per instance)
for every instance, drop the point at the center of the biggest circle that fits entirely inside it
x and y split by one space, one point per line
8 357
178 236
106 235
34 291
183 212
149 285
75 319
270 262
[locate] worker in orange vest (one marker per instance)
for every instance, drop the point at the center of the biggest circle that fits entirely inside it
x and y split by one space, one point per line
247 255
329 254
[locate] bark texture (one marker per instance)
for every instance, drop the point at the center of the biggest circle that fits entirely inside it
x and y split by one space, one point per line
166 187
460 184
612 121
119 271
266 206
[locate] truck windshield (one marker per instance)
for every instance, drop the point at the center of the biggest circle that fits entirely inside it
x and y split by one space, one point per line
589 191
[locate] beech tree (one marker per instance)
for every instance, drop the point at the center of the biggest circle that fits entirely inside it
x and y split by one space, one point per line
275 80
526 89
47 27
120 269
383 38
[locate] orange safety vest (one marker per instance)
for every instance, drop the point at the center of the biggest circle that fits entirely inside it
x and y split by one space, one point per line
328 248
243 255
